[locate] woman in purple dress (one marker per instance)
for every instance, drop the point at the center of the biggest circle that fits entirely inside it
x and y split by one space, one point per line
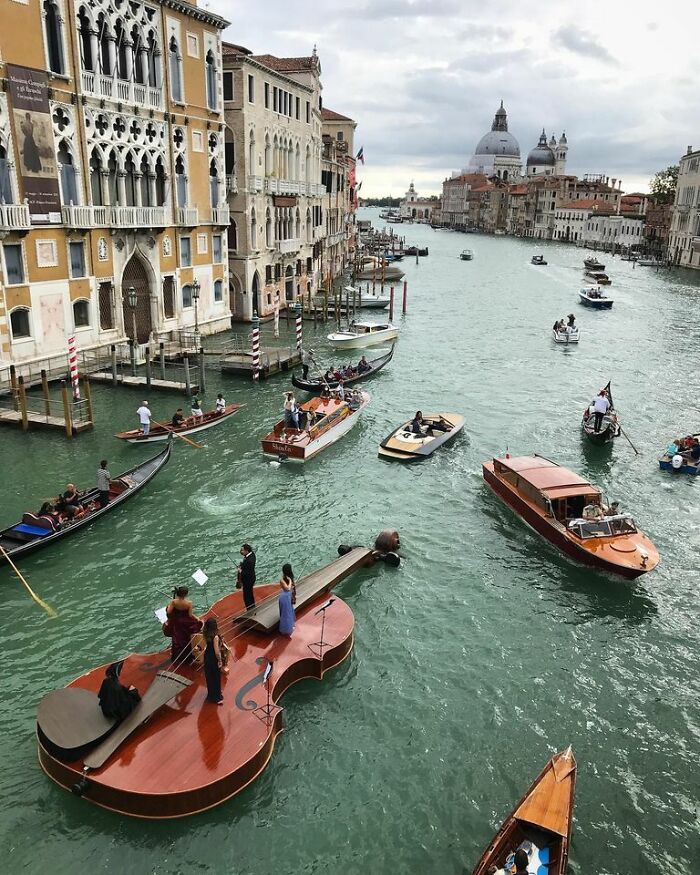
287 598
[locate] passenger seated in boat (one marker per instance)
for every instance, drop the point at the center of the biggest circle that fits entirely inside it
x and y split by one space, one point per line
220 403
178 418
673 448
363 366
593 511
417 423
69 503
48 512
339 391
337 374
329 375
612 509
116 700
695 451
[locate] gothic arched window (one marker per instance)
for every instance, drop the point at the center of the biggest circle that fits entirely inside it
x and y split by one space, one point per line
69 188
175 73
86 41
54 37
211 80
160 183
214 184
180 182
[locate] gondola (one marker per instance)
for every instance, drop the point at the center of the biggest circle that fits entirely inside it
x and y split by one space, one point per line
317 385
610 427
33 531
540 823
189 426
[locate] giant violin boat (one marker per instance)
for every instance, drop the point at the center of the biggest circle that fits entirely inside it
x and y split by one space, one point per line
177 753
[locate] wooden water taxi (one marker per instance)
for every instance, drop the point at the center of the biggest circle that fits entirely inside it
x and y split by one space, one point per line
191 425
567 510
466 255
594 298
406 446
610 427
540 824
598 277
593 264
323 421
538 259
176 753
318 385
377 269
363 334
35 531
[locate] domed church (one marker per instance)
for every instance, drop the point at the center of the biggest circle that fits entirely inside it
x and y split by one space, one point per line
497 152
547 159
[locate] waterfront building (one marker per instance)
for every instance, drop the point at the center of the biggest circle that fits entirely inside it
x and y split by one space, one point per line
497 153
546 195
414 208
273 170
684 236
338 177
657 228
602 224
547 159
112 206
454 198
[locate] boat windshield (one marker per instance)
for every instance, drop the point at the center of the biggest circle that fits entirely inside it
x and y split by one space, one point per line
609 527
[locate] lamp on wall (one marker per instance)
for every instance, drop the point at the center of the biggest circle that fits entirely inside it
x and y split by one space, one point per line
132 299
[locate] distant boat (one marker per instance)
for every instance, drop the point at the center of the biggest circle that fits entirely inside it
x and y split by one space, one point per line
595 298
650 262
681 462
538 259
367 300
609 427
566 334
363 334
466 255
602 279
593 264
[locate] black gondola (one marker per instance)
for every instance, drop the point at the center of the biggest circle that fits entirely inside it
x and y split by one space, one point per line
610 427
33 531
317 385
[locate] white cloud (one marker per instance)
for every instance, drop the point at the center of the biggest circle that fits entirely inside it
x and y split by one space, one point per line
424 77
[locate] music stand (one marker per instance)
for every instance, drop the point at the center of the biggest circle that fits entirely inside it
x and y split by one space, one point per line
269 710
321 643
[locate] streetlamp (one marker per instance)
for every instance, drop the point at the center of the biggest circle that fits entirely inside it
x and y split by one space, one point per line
195 298
132 300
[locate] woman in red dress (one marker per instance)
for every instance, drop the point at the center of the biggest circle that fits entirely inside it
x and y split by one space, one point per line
182 623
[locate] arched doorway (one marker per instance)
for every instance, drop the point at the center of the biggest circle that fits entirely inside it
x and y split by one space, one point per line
255 290
136 276
289 283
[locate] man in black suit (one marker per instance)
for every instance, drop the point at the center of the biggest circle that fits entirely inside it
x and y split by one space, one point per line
246 575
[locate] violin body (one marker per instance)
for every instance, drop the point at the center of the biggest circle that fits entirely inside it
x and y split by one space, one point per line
190 754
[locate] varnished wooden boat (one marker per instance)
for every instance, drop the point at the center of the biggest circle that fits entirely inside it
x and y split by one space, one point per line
191 425
405 446
598 277
177 754
552 499
610 426
540 823
316 386
326 420
33 531
593 264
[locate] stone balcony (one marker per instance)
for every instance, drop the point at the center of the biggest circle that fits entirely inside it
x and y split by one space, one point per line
14 217
288 246
187 217
112 88
231 184
220 216
319 232
255 184
88 216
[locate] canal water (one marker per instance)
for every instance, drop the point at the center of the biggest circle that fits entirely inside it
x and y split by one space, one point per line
485 653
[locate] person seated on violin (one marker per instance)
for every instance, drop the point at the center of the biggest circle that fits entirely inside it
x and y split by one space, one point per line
178 418
116 700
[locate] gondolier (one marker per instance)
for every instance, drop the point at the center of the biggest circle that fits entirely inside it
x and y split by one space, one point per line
144 414
601 405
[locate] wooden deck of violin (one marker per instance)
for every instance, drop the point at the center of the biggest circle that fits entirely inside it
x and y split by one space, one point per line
191 754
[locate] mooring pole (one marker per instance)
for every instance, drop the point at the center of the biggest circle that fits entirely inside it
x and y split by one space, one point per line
188 385
391 304
162 360
405 296
22 397
114 364
45 391
202 377
148 367
66 409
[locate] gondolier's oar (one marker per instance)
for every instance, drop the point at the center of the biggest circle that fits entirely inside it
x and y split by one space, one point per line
181 436
49 610
629 441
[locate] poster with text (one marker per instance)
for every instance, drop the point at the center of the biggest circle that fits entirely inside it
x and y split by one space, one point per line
34 138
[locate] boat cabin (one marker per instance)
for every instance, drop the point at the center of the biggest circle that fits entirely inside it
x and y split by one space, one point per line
368 327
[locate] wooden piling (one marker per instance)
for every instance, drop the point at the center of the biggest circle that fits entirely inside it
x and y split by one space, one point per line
45 392
114 364
391 304
148 367
162 360
202 376
66 409
405 297
15 387
88 399
188 384
132 353
22 398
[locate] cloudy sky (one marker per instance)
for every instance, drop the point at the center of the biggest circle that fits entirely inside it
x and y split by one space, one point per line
423 78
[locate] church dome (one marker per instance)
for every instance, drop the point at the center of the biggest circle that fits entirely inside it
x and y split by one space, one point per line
541 155
498 141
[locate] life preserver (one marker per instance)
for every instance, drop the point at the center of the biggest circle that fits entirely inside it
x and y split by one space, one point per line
677 461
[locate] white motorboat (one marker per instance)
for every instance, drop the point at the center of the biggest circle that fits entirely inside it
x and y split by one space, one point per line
362 334
566 334
650 262
367 300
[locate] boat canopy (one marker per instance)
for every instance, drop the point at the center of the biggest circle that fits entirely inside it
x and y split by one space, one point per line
546 477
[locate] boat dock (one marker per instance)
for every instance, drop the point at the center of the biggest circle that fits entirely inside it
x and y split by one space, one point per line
17 408
273 360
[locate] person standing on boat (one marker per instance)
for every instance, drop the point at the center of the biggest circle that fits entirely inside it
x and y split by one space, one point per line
144 415
104 479
246 575
212 661
286 600
291 415
601 405
196 408
571 324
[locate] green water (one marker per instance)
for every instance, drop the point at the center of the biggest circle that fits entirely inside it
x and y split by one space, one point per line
486 652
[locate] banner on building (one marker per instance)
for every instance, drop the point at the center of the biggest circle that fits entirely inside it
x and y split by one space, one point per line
29 93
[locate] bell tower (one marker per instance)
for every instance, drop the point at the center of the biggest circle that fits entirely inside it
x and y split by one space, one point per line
562 149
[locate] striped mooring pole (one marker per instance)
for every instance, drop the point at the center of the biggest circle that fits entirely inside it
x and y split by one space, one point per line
73 368
255 340
299 330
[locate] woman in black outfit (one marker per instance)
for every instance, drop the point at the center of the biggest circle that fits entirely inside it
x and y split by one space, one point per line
212 661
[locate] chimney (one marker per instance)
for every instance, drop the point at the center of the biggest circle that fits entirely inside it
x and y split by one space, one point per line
619 184
690 149
606 179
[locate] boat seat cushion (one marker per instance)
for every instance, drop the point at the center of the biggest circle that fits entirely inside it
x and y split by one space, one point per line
26 529
31 519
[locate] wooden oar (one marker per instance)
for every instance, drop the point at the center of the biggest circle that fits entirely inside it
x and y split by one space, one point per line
181 436
49 610
622 431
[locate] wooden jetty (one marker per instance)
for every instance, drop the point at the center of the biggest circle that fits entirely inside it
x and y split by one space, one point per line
19 409
273 360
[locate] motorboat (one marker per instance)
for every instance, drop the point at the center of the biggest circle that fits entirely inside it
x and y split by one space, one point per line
565 333
362 334
680 461
610 427
367 300
405 445
598 277
593 297
538 259
466 255
568 511
593 264
322 422
651 262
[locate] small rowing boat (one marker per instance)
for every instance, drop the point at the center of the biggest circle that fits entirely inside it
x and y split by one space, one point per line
35 531
538 259
405 445
466 255
318 385
322 420
609 427
191 425
679 459
593 264
540 824
594 298
568 512
362 334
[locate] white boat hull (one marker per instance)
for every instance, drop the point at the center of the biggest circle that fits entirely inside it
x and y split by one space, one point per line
566 337
361 341
326 439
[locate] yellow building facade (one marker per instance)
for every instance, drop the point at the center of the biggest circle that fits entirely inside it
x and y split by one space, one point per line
113 209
